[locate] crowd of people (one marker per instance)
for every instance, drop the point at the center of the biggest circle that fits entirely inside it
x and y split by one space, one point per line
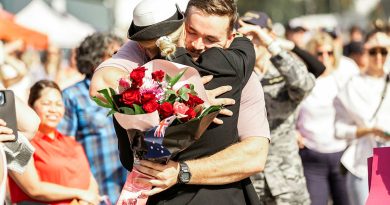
302 112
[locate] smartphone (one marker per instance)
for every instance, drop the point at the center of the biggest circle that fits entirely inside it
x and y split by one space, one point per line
7 110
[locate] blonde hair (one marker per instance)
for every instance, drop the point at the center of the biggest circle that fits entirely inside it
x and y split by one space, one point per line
167 44
321 39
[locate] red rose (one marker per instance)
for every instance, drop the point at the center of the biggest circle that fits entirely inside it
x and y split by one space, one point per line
194 100
187 86
137 75
191 114
146 97
158 75
131 96
166 110
150 106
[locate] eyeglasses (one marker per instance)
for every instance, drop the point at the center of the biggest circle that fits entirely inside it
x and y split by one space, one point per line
321 53
376 51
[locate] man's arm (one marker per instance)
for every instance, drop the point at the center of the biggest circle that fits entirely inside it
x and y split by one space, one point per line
252 120
299 81
235 163
232 164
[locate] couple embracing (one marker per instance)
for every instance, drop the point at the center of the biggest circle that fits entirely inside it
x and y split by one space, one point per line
216 167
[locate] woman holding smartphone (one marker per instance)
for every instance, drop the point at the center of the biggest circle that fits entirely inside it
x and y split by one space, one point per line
19 152
59 171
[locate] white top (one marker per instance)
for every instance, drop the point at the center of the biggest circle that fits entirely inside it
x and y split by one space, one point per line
346 70
317 114
355 106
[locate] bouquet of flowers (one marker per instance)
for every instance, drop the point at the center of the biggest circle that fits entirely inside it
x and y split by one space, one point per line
163 107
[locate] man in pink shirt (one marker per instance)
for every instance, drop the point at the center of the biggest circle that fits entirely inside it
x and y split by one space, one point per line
235 162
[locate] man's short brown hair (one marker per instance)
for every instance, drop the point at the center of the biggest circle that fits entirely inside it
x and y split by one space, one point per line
216 7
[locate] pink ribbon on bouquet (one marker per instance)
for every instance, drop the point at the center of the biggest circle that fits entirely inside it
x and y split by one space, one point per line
131 191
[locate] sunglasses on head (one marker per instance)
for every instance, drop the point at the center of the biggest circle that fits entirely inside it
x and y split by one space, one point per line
321 53
376 51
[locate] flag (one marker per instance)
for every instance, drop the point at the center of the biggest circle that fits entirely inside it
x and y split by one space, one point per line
162 126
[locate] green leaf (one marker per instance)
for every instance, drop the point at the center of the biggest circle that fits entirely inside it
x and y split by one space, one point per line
210 109
176 78
107 96
168 93
168 78
101 103
138 109
185 96
127 110
171 98
183 93
111 112
112 92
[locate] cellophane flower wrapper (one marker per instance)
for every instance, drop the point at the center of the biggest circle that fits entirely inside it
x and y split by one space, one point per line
144 131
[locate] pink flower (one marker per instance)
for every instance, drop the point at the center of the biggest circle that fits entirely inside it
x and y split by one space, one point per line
124 83
180 109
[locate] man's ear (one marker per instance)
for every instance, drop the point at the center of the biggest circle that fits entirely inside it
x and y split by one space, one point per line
230 39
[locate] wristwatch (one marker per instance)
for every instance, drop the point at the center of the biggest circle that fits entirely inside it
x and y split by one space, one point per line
184 173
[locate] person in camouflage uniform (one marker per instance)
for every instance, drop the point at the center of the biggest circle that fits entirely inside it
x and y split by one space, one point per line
286 81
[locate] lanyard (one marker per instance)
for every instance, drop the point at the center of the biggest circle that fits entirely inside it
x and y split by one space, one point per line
382 96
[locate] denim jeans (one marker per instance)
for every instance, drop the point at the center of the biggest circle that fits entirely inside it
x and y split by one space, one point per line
357 189
324 177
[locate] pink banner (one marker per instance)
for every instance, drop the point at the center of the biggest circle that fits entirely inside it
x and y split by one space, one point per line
379 180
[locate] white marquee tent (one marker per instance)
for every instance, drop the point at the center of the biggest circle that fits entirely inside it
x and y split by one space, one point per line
64 30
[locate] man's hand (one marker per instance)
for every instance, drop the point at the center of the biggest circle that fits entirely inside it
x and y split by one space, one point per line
212 94
162 176
5 132
259 36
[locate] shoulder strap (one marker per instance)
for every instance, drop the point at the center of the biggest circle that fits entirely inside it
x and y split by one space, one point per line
382 96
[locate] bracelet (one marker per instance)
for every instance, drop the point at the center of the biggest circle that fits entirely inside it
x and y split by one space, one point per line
274 48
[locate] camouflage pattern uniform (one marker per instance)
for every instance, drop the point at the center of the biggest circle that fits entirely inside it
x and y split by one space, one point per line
285 83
